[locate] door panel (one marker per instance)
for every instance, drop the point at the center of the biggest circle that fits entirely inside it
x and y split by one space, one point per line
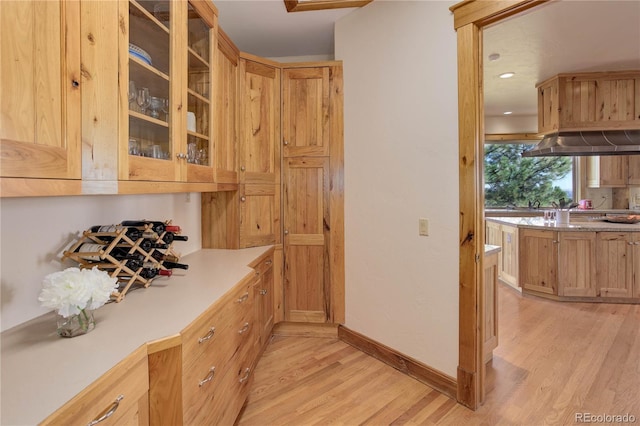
577 268
259 215
614 274
538 260
306 112
305 217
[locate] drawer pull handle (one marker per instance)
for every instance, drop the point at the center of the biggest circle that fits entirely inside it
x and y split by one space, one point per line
209 335
209 377
108 413
246 375
243 297
263 292
268 262
244 328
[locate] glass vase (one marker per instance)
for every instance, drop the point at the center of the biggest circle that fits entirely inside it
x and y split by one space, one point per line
76 325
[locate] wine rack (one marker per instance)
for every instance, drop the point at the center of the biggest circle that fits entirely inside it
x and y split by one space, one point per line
97 249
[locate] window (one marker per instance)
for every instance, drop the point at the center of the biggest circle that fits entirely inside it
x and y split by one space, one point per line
511 180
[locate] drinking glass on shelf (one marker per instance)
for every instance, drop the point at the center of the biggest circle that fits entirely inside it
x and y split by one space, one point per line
143 99
134 147
192 150
165 109
132 93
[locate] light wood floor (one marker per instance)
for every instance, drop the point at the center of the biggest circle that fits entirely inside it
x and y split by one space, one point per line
553 360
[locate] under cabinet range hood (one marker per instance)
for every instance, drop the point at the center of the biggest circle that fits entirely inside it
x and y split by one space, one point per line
606 142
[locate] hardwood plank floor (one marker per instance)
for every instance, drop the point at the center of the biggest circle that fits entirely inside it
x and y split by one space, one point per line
553 360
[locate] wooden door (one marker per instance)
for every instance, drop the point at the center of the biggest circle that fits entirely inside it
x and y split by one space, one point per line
538 260
615 264
40 119
259 215
305 112
259 151
306 219
634 169
226 111
577 264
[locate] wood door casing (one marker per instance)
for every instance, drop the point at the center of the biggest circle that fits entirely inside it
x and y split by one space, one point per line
306 219
40 119
259 148
305 112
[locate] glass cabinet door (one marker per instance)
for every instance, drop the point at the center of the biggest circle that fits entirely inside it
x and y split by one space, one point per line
149 90
199 109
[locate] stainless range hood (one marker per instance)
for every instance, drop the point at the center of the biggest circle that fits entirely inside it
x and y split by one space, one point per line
609 142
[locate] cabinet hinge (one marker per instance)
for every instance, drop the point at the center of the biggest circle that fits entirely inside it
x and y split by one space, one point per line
477 258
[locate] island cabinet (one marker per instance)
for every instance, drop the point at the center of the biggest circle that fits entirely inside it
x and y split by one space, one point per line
618 263
120 396
40 106
505 236
490 305
577 264
538 261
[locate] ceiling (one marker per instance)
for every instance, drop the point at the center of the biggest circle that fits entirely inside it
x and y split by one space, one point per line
558 37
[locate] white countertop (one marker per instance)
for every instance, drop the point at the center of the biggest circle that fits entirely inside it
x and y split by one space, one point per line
597 225
41 371
491 249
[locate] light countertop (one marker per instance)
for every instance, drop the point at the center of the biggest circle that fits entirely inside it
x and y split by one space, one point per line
41 371
596 225
491 249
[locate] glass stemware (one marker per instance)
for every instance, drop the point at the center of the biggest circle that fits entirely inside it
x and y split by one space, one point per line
132 93
143 99
165 109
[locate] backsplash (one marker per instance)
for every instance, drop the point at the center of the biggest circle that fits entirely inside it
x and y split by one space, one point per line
35 232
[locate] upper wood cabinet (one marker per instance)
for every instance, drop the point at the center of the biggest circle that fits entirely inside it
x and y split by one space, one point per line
226 110
305 119
634 169
259 157
166 91
613 171
589 101
40 84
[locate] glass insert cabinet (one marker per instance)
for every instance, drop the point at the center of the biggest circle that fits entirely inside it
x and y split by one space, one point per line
166 112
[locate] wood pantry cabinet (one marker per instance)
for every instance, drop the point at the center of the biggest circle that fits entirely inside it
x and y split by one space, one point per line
618 261
40 106
120 396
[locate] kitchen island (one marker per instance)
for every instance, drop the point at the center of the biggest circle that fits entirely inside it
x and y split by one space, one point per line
583 260
41 371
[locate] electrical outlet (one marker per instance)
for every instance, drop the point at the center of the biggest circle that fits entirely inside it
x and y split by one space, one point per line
423 227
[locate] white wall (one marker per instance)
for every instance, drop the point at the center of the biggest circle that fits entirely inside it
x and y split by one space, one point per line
35 232
511 124
401 145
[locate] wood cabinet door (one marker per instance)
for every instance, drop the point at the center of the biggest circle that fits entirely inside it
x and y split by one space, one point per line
260 126
40 119
305 112
259 215
613 171
634 169
615 263
226 112
509 255
538 260
306 219
490 306
493 236
577 264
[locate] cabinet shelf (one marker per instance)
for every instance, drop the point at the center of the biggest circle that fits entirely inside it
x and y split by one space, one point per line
157 72
140 11
197 62
198 135
198 96
144 117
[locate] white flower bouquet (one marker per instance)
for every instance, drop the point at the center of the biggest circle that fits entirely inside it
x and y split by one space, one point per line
73 290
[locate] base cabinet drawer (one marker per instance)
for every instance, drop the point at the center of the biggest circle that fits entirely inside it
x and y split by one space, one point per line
119 397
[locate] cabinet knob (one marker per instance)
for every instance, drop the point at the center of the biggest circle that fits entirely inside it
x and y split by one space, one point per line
263 292
286 143
243 198
286 232
181 156
243 168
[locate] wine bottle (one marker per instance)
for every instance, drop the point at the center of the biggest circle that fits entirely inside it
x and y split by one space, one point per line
118 252
170 237
132 233
147 245
148 273
159 256
157 226
175 265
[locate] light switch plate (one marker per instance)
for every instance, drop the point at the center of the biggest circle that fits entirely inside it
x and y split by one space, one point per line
423 227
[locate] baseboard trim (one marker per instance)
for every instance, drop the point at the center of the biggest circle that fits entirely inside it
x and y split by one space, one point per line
306 329
411 367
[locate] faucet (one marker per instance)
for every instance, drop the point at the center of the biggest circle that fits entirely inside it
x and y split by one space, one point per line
535 205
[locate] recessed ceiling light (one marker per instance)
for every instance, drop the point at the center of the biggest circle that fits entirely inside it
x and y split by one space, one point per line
494 56
507 112
507 75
